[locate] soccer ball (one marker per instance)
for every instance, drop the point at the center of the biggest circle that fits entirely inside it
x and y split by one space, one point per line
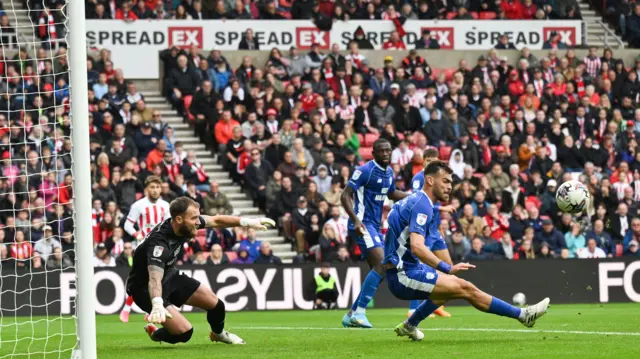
519 299
572 197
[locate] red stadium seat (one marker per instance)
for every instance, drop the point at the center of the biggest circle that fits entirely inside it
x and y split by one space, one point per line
474 14
366 153
451 15
435 73
231 255
445 153
139 195
619 250
369 139
187 104
487 15
361 139
449 73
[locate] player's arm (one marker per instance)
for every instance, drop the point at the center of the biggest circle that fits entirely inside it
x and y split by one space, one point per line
129 224
397 195
224 221
427 257
420 226
358 179
155 281
394 194
156 257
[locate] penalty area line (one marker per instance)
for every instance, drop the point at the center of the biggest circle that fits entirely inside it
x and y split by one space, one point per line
498 330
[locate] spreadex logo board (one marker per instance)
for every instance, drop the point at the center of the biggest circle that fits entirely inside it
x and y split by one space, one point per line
273 289
307 36
567 34
185 36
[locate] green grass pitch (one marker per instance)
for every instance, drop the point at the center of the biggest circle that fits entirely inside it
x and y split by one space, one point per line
567 331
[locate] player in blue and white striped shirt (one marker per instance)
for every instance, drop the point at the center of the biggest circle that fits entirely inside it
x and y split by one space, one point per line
363 200
414 272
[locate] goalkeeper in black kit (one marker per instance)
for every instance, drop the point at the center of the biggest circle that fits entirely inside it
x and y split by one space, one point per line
159 289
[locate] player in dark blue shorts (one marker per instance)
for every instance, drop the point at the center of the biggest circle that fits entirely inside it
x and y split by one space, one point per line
438 245
363 200
414 272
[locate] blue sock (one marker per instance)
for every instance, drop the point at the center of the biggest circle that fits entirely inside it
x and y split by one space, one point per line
413 304
369 287
422 312
354 306
500 307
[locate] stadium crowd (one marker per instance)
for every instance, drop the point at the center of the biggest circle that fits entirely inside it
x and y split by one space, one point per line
292 131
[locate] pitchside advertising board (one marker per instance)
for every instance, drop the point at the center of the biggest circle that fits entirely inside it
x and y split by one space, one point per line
135 45
288 287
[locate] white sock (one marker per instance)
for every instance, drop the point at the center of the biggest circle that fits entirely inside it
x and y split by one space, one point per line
127 308
361 310
523 314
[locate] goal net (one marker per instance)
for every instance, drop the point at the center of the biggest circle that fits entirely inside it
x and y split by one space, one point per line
37 238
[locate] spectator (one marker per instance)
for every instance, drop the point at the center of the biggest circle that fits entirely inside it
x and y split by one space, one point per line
301 220
477 252
249 42
125 259
591 250
496 222
251 245
551 237
58 260
426 41
194 172
257 176
458 246
266 255
216 202
217 257
182 81
633 27
575 240
554 42
343 255
225 131
243 257
47 244
324 285
102 258
192 193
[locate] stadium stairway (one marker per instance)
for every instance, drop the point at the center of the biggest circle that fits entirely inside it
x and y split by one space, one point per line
598 32
241 203
17 11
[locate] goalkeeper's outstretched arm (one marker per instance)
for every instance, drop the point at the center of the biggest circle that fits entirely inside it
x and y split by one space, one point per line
222 221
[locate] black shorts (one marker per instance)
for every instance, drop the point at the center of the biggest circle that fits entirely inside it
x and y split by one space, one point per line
176 290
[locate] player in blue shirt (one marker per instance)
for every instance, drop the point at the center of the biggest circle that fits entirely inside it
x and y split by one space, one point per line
414 272
438 245
363 199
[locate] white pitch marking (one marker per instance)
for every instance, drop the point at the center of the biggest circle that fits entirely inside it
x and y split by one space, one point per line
528 331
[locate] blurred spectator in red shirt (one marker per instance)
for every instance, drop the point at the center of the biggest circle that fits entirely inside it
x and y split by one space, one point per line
394 42
512 9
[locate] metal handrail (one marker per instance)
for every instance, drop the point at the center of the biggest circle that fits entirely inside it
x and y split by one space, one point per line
609 33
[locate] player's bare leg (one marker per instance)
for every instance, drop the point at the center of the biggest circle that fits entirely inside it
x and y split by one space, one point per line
357 315
205 299
445 256
176 329
449 287
124 314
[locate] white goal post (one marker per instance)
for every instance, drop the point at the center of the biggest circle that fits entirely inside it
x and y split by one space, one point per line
85 311
43 106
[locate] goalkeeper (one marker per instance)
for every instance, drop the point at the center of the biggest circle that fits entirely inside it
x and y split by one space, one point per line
157 287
